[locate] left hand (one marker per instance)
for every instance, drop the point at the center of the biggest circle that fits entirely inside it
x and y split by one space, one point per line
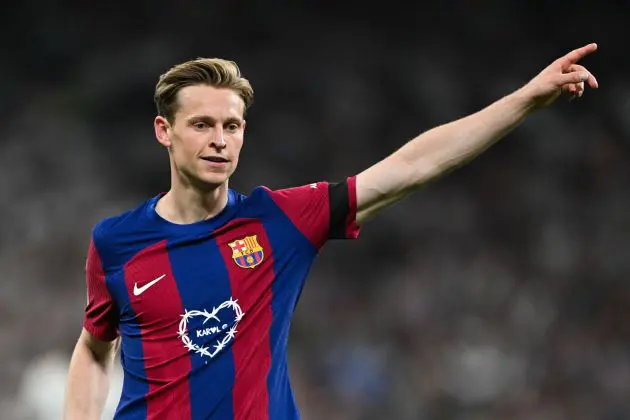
562 76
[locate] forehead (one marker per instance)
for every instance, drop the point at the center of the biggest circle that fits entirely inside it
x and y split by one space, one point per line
211 101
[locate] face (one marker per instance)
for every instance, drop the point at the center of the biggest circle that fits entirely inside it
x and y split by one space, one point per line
206 137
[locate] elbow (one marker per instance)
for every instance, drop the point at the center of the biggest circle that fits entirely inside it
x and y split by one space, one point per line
418 172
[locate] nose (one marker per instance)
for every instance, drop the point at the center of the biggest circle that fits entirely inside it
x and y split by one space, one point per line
218 139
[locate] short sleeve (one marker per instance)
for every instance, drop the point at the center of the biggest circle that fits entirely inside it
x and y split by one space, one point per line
321 210
101 314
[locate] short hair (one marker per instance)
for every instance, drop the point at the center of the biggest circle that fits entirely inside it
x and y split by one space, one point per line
215 72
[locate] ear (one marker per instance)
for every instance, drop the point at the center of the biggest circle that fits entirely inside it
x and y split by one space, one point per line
244 125
162 127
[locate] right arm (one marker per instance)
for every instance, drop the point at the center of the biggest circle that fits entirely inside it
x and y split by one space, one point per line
88 378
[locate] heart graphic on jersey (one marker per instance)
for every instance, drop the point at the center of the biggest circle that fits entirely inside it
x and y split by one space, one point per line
208 332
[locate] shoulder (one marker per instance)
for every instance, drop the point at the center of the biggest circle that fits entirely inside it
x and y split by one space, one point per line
107 229
265 193
256 203
266 201
114 235
298 199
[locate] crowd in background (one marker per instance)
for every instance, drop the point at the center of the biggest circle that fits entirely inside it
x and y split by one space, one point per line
498 292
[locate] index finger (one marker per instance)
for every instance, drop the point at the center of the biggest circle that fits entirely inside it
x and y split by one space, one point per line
579 53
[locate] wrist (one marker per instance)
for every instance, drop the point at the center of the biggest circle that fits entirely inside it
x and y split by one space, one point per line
525 101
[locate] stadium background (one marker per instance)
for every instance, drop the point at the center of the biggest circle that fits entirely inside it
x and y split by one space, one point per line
498 292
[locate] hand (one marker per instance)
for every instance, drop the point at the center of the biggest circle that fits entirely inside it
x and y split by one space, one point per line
562 76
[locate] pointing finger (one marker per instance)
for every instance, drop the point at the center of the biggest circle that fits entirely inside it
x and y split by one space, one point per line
579 53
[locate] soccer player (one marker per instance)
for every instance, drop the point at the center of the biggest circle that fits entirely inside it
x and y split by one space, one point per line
198 285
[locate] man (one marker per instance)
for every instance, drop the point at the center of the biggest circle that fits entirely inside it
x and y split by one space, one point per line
200 283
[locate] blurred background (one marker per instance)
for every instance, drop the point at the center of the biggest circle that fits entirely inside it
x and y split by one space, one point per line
498 292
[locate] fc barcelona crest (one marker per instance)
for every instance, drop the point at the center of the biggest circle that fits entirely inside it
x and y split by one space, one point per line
247 252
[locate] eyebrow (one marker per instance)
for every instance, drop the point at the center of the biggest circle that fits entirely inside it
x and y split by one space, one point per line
211 120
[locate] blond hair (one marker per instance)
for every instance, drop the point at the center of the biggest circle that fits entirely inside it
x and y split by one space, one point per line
215 72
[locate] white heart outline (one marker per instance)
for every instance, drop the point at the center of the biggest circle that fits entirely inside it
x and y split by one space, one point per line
220 344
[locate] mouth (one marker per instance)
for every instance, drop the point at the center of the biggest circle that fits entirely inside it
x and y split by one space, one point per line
215 159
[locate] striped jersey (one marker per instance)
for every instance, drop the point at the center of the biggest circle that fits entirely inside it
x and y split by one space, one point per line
203 309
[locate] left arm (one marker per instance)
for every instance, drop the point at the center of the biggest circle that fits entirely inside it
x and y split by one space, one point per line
447 146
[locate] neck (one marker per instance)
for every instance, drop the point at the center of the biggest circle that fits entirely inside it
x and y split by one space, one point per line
185 204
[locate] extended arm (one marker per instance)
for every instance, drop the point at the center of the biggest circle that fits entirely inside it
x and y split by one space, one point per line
88 378
443 148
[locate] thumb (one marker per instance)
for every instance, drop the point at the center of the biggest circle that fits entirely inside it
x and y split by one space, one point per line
573 77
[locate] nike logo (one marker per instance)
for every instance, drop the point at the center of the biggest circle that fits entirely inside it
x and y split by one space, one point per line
137 291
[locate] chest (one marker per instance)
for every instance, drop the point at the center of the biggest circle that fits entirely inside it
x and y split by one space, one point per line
166 280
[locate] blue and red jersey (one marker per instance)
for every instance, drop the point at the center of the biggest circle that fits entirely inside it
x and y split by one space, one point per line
203 310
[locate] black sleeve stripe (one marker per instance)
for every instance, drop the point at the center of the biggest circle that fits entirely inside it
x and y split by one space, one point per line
339 205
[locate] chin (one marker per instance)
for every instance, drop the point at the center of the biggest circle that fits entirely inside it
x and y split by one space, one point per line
213 180
211 183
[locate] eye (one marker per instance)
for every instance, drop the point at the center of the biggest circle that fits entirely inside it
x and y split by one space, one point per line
200 125
232 127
